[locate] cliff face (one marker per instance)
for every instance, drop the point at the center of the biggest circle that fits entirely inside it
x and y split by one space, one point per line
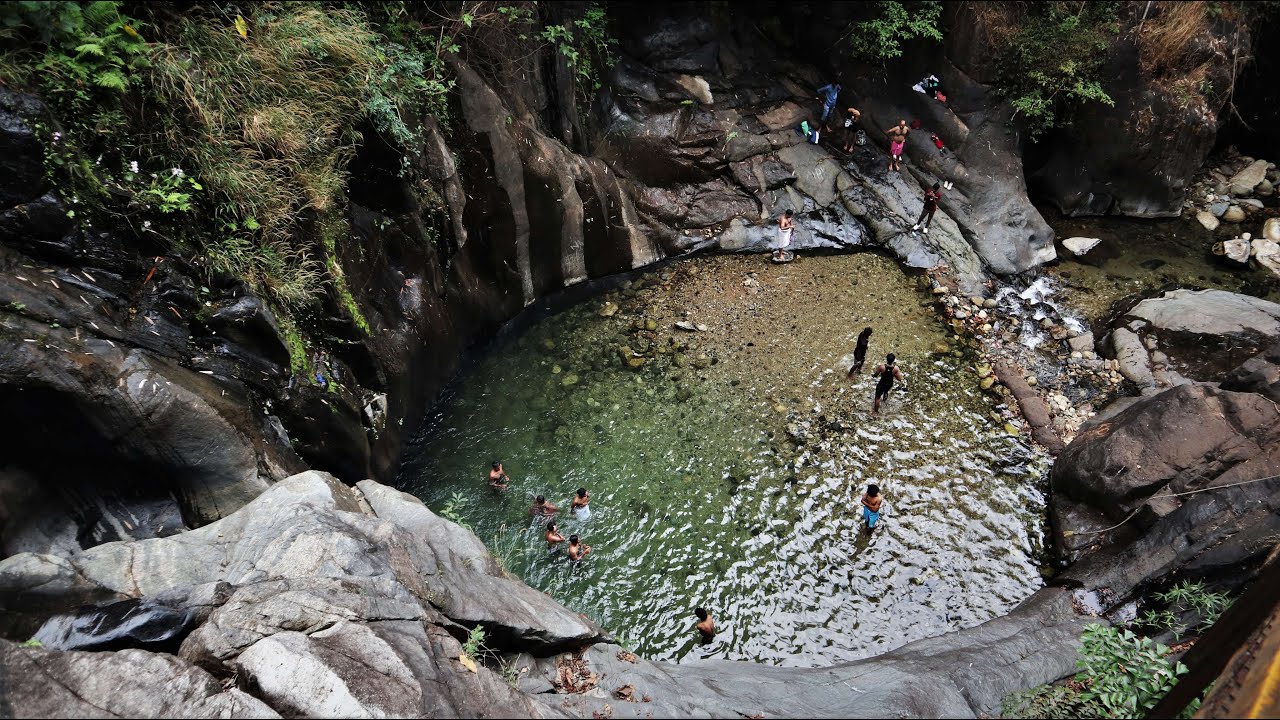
182 394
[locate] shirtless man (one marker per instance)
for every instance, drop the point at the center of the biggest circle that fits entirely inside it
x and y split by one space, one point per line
554 538
897 142
541 508
579 506
577 548
706 625
498 477
887 371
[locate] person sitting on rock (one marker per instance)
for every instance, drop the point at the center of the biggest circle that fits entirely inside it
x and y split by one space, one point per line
931 197
577 548
705 625
554 538
871 506
860 352
897 143
786 226
887 371
579 504
542 509
497 476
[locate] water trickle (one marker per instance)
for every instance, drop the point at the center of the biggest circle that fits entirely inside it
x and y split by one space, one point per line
726 470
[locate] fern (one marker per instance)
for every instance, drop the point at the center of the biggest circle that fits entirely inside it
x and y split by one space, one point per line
112 79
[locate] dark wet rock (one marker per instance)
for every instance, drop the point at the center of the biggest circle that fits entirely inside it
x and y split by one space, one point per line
133 623
22 153
1260 374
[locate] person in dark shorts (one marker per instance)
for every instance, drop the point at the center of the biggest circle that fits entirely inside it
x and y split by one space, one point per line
931 197
498 477
851 117
860 352
577 548
887 371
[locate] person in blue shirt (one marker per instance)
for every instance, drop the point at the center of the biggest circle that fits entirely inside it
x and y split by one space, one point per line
829 94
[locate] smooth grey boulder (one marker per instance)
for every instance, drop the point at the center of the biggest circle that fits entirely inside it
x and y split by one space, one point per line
1210 312
128 683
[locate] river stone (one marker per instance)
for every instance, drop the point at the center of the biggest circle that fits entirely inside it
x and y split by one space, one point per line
1271 229
1265 189
1243 182
686 326
1234 214
1081 343
1135 365
1218 209
1207 220
1080 245
1210 312
609 309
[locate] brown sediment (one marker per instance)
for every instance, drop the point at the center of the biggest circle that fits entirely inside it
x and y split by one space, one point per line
1033 408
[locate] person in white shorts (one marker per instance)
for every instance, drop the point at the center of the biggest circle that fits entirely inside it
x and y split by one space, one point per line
786 226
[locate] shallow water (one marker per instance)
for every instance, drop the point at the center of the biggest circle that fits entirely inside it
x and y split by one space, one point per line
1139 256
699 494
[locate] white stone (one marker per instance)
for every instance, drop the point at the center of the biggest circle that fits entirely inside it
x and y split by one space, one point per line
1243 182
1234 214
1207 220
699 89
1080 245
1271 229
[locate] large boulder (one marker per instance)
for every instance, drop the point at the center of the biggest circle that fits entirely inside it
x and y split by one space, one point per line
129 683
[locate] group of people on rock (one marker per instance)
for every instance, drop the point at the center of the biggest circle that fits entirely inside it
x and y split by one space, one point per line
854 136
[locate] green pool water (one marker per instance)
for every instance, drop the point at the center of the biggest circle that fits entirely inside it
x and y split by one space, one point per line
701 497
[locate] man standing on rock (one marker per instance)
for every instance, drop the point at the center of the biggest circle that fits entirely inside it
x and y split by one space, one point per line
897 143
931 197
829 94
887 371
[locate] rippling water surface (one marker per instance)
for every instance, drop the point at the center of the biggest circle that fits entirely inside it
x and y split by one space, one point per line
700 496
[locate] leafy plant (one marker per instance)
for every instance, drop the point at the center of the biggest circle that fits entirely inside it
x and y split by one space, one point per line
1121 675
1193 596
452 508
474 645
1049 65
881 37
587 46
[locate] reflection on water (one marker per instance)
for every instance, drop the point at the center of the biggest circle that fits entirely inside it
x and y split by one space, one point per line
700 498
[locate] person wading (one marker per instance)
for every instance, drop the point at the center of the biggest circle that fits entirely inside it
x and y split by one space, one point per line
887 371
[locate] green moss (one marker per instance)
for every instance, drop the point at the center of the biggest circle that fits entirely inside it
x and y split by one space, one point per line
297 344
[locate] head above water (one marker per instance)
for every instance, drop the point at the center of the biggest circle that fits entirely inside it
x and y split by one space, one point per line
551 527
497 464
873 490
890 359
539 500
582 492
701 613
573 539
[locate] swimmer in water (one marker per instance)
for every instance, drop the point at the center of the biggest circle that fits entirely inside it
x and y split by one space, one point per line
554 538
871 506
860 352
577 548
579 504
887 371
498 477
705 625
541 508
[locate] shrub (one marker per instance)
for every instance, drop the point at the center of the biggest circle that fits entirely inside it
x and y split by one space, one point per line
585 43
881 37
1121 676
1049 66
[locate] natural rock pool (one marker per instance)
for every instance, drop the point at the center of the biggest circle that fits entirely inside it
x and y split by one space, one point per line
726 469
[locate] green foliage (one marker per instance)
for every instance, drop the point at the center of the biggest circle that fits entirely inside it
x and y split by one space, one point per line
1121 675
299 361
85 50
475 642
32 643
1049 66
881 37
1193 596
585 44
452 509
506 547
